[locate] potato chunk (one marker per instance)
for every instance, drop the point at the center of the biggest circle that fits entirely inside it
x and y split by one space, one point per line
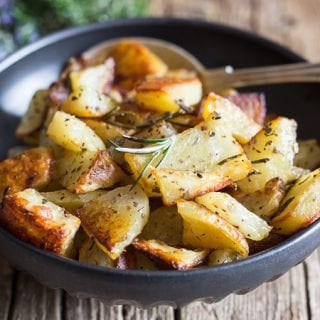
98 78
73 134
301 205
236 214
168 94
200 161
165 224
35 115
219 111
32 168
87 171
32 218
271 152
177 258
221 256
205 229
265 203
133 60
308 156
88 103
115 218
69 200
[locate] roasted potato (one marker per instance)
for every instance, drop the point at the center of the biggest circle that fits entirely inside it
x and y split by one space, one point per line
200 161
203 228
115 218
308 156
86 171
252 104
34 118
271 152
177 258
98 78
168 94
69 200
164 224
235 213
133 60
300 207
219 111
32 168
73 134
221 256
266 202
87 103
29 216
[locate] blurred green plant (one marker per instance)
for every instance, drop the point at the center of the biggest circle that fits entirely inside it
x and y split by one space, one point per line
23 21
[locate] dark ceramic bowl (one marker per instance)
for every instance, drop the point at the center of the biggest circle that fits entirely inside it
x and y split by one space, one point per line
214 45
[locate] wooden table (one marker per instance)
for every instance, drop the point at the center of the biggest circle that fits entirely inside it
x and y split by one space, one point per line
296 295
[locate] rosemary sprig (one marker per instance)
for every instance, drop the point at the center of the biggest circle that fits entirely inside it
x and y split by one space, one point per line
162 146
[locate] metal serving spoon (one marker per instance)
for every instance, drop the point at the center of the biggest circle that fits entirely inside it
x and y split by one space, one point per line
217 79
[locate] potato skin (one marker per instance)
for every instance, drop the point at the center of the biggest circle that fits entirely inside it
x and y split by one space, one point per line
36 223
32 168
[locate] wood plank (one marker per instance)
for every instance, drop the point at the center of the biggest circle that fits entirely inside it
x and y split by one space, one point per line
35 301
6 278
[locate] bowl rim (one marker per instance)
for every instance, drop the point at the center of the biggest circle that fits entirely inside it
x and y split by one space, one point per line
226 29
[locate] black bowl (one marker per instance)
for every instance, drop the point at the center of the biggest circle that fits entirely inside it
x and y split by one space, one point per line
215 45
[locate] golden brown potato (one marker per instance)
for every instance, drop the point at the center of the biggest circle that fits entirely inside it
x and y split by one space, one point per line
73 134
98 78
252 104
87 171
271 152
308 156
87 103
300 207
69 200
115 218
177 258
34 117
164 224
236 214
205 229
168 94
32 168
221 256
133 60
266 202
219 111
32 218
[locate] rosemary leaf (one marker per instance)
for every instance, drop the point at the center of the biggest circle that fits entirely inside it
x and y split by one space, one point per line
263 160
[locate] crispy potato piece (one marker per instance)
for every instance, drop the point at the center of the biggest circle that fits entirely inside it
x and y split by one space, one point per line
133 60
205 229
34 117
308 156
137 162
177 258
73 134
164 224
99 77
236 214
300 206
200 161
219 111
265 203
32 168
87 103
252 104
271 152
69 200
168 94
115 218
87 171
221 256
32 218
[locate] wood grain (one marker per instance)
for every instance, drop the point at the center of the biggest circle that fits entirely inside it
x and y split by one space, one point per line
294 23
